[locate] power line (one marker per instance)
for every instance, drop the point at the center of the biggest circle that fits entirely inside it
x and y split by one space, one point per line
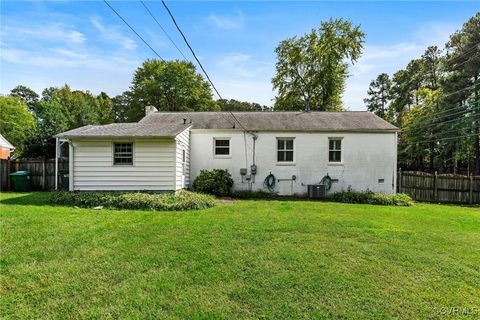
473 48
164 31
460 130
446 111
198 61
450 120
442 139
464 111
131 28
460 90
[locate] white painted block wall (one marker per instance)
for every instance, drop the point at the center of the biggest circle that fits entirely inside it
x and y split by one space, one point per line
366 158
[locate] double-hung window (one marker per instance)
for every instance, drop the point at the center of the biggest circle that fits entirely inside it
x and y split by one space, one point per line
335 150
284 149
221 147
123 154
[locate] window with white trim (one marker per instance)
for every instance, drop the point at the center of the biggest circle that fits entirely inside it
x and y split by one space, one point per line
123 154
221 147
335 150
284 149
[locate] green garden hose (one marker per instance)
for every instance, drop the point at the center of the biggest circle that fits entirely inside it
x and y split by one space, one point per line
270 182
327 181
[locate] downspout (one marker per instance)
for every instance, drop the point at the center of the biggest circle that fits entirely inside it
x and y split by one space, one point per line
254 139
56 163
70 165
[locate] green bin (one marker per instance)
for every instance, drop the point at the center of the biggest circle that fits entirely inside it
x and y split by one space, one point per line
21 180
64 177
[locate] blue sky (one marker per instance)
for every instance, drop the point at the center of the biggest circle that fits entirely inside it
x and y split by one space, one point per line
86 46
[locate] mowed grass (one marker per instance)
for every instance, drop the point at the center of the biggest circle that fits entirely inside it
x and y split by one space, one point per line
251 259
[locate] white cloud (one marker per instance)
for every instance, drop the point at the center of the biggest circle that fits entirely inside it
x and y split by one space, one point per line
226 21
251 90
242 65
45 54
112 34
60 57
55 32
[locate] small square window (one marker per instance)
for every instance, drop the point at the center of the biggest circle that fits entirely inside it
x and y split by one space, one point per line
222 147
123 154
285 150
335 150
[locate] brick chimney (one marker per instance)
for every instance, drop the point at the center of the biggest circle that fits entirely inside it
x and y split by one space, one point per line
150 109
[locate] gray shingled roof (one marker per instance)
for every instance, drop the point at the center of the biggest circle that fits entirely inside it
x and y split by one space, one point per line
126 130
169 124
357 121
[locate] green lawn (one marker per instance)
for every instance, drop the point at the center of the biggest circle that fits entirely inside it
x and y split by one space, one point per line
250 259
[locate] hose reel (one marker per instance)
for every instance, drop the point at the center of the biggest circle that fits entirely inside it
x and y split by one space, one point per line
327 181
270 182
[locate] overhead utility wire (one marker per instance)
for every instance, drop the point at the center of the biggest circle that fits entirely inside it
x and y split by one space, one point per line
469 51
198 61
457 130
449 138
453 108
440 115
453 120
131 28
425 121
164 31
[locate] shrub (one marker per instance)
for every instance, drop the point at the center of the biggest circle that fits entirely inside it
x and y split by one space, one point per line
251 194
217 182
368 197
182 200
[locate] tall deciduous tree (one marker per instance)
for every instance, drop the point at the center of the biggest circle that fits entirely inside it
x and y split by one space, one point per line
379 97
51 121
16 122
311 70
27 94
63 109
122 107
235 105
169 86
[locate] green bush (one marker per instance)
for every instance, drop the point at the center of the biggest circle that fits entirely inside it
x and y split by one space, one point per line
182 200
217 182
368 197
251 194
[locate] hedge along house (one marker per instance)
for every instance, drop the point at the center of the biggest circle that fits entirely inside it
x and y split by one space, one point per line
165 151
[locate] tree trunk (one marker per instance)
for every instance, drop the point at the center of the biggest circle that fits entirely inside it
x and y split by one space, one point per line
432 158
476 128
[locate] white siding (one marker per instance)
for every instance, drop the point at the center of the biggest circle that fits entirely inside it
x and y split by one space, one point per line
366 158
153 166
182 143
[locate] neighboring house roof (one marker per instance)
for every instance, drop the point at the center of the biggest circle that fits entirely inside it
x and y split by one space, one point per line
119 130
276 121
4 143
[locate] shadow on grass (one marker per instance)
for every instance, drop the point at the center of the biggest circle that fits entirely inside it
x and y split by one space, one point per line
26 199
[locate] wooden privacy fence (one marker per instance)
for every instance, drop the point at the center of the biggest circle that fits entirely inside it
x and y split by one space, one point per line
42 172
446 188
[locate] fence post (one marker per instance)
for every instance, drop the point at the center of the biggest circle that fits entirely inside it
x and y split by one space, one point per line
399 182
435 187
470 194
44 174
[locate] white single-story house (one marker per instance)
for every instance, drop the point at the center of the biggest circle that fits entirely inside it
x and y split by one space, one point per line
165 151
